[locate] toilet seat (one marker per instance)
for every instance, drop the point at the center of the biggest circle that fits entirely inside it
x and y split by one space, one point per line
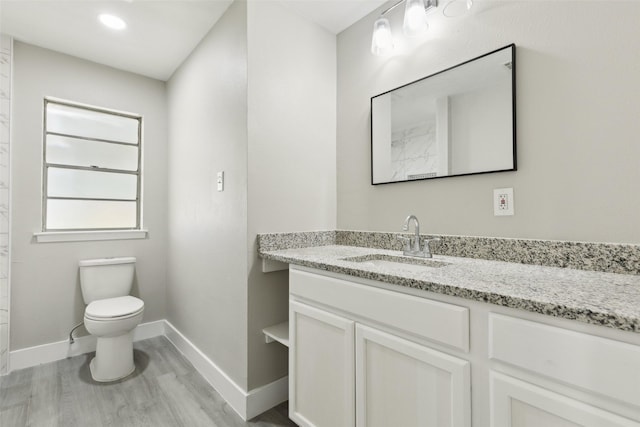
114 308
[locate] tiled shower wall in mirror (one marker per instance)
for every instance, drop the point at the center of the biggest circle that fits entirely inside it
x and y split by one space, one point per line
5 109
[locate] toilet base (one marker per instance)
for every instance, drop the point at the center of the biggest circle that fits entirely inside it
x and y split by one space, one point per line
98 379
114 358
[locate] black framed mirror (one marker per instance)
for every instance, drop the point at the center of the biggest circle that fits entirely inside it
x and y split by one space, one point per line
459 121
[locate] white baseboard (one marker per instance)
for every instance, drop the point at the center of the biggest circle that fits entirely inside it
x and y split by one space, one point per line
235 396
51 352
149 330
246 404
263 398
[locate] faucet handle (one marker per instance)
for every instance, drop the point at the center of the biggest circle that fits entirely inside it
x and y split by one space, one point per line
427 242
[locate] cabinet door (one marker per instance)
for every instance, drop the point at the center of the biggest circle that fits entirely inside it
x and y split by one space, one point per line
321 368
401 383
516 403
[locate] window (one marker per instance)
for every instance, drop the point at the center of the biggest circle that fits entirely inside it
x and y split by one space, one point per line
91 169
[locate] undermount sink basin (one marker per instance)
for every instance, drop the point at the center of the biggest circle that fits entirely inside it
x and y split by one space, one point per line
397 263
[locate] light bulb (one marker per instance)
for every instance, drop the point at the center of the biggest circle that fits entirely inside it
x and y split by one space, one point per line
415 18
382 41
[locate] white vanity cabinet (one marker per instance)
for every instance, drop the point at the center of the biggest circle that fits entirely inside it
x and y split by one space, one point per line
517 403
321 367
401 383
359 356
367 354
604 372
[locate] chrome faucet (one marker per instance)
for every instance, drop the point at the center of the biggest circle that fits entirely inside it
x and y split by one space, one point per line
415 250
416 239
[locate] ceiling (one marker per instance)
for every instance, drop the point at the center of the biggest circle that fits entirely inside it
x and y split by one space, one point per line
334 15
160 34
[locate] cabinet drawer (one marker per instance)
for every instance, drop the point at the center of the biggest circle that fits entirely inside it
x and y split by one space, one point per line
596 364
443 323
517 403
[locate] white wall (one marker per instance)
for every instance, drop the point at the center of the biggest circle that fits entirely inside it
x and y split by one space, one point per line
207 290
292 172
578 157
46 301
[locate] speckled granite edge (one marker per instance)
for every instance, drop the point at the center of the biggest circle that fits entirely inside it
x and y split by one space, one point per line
605 257
295 240
525 296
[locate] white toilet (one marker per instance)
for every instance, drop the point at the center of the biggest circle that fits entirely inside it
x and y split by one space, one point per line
111 314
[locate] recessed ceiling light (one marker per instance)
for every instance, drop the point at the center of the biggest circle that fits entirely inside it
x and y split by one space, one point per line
112 21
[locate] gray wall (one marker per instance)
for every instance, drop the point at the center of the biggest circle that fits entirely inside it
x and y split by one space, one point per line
46 301
259 104
207 291
292 172
577 99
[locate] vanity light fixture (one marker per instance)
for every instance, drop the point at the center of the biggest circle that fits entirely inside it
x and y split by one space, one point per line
415 21
382 42
415 18
112 21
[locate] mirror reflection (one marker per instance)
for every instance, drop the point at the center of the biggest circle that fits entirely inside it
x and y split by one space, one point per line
459 121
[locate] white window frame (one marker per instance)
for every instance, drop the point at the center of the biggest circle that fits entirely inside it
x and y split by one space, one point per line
79 234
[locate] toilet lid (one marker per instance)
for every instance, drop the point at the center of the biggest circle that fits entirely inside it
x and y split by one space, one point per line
114 307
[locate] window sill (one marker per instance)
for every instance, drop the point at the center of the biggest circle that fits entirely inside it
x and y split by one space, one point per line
86 236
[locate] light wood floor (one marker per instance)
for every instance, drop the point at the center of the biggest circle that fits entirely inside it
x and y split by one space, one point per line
165 390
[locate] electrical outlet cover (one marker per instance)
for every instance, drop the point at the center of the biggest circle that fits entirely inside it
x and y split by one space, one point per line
503 202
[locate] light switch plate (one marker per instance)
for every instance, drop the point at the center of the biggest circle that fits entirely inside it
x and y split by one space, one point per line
220 181
503 202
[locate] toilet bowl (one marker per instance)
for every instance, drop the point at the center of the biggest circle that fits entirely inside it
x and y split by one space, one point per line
112 322
111 315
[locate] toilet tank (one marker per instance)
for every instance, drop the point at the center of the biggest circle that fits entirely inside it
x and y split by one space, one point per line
106 277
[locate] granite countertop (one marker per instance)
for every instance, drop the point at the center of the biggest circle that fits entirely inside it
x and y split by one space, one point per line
606 299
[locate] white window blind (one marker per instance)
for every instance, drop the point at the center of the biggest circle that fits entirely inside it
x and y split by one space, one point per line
91 176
